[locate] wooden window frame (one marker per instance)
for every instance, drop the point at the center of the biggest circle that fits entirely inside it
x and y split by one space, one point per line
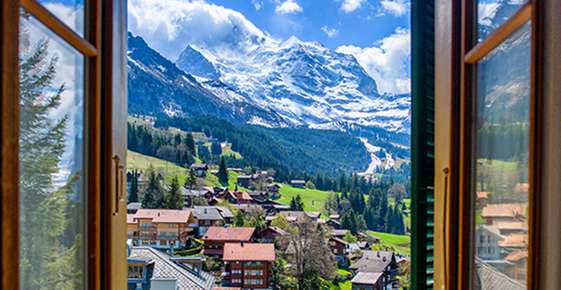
470 53
103 48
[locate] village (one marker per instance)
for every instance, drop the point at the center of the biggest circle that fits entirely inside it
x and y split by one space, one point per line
244 238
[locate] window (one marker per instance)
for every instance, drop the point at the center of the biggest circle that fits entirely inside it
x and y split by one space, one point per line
496 150
51 103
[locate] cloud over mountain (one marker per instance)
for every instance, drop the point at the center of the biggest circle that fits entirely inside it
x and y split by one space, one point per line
387 62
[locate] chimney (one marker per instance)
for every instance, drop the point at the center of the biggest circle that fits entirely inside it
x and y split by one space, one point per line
384 259
241 243
205 210
378 254
158 214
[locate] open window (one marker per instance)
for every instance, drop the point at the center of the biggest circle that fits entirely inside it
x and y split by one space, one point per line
61 157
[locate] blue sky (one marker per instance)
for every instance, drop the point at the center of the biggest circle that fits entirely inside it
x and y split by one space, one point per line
332 22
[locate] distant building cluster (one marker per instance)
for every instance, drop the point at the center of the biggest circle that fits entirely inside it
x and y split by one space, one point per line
205 247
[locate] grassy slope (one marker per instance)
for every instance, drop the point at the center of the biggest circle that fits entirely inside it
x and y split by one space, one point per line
313 199
168 169
400 243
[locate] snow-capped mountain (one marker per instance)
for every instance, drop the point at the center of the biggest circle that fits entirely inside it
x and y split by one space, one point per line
157 86
306 83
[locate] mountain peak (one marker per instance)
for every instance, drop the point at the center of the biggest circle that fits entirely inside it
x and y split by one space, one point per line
193 62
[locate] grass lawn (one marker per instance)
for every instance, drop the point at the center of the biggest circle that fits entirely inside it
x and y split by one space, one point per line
400 243
168 169
347 285
313 199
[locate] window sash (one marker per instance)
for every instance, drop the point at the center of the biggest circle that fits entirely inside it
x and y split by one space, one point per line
471 53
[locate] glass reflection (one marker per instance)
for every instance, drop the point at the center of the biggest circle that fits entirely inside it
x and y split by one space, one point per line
70 12
52 211
501 171
492 13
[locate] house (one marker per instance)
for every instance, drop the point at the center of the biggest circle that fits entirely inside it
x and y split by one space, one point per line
259 197
190 194
245 181
294 216
238 197
207 216
215 238
170 273
133 207
270 234
140 273
503 212
161 228
226 214
200 169
248 265
383 262
488 239
273 189
340 248
367 281
298 183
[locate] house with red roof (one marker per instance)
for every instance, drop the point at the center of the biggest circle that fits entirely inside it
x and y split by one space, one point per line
215 238
160 228
248 265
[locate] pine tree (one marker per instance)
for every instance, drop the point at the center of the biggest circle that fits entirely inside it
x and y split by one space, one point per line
216 149
153 192
190 143
174 198
191 179
49 250
223 172
133 192
296 203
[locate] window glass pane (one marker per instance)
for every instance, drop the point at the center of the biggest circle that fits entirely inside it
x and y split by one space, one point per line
493 13
501 165
71 12
52 211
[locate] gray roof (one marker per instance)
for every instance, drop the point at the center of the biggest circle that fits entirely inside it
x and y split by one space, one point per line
365 278
167 269
225 212
206 213
134 205
490 278
373 261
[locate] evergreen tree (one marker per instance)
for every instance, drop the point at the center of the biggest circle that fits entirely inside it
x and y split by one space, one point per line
216 149
49 252
191 179
239 218
174 198
223 172
296 203
133 192
190 143
382 213
153 192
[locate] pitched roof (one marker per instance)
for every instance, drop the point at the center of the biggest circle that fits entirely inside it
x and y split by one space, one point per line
373 261
225 212
517 256
249 252
504 210
366 278
513 226
488 277
207 213
229 234
164 215
165 268
514 241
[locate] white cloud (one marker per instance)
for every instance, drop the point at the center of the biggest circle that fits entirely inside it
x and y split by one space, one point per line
351 5
168 26
387 61
330 32
486 12
288 7
395 7
257 4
